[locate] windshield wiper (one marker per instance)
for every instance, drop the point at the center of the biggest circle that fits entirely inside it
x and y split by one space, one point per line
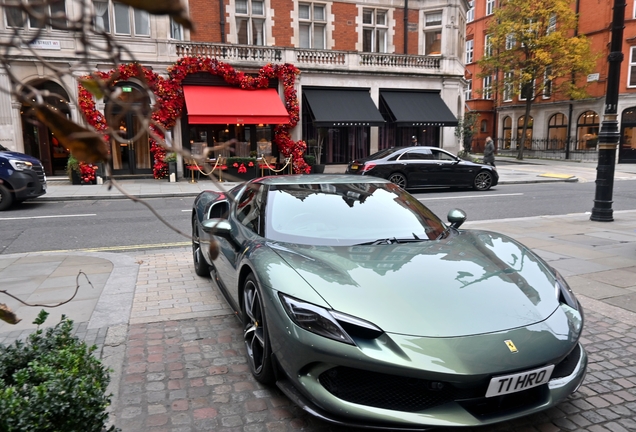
391 240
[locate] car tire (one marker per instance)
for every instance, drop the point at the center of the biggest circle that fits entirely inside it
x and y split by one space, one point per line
255 334
6 198
483 181
399 179
201 267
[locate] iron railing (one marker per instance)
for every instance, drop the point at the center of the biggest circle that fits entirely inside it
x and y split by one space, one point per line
558 149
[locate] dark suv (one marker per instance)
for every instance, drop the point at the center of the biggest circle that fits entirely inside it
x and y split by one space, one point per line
21 177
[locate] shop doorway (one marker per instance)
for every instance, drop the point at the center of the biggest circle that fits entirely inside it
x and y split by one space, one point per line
130 145
38 140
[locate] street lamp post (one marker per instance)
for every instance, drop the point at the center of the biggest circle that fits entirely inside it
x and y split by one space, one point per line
609 136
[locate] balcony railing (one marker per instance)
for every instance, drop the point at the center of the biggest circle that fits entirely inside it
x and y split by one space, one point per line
345 60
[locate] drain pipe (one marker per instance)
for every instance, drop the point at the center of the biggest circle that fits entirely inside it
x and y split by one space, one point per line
406 26
569 136
222 20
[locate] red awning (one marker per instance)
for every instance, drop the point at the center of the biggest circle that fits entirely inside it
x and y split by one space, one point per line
222 105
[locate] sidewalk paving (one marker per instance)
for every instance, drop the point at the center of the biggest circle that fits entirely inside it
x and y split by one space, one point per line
176 348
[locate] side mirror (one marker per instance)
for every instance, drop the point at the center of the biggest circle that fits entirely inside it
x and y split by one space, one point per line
456 217
217 227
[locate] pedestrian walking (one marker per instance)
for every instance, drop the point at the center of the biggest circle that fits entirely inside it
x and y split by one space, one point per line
489 152
414 141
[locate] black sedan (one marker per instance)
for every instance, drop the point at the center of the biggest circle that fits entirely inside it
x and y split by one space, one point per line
422 167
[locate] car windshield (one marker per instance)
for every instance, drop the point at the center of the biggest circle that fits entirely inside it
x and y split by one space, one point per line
383 153
332 214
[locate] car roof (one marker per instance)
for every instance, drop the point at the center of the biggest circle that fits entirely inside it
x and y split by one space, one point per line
296 179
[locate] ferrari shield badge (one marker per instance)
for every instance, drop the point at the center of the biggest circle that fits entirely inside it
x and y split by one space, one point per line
511 346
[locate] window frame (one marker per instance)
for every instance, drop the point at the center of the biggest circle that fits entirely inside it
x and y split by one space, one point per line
486 89
487 45
312 23
134 16
490 7
470 13
508 83
468 91
470 51
547 83
377 30
27 23
631 78
251 18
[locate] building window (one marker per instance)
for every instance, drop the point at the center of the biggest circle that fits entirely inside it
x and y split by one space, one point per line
488 46
176 30
468 94
470 13
557 132
484 126
374 30
469 51
250 22
547 83
487 87
507 86
15 17
526 89
511 42
312 25
490 7
632 67
587 127
433 19
552 22
127 20
507 132
432 35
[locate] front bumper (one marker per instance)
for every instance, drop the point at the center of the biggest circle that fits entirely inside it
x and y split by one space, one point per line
458 365
27 184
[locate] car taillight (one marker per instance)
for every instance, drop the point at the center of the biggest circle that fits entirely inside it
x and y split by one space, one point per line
367 167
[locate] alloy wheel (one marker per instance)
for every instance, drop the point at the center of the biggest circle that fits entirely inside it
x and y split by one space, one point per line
483 181
398 179
254 327
200 266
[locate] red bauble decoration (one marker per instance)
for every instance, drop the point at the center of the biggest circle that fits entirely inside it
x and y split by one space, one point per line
170 101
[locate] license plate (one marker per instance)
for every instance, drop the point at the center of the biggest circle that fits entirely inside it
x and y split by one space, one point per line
505 384
354 167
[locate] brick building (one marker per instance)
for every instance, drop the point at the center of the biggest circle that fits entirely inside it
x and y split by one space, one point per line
369 77
559 128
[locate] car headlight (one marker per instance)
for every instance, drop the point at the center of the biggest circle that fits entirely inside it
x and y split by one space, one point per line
19 165
563 292
328 323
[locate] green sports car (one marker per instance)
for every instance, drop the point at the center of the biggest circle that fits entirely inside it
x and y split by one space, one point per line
367 310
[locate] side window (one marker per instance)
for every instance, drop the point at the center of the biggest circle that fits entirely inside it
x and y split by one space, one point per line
419 155
442 156
248 207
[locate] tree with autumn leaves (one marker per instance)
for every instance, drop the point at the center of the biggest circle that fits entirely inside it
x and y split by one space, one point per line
533 47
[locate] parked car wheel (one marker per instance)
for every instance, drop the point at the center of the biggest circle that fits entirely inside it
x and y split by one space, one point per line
483 181
398 179
259 351
200 265
6 199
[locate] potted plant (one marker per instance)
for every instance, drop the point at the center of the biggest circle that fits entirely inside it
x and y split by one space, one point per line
310 160
73 170
314 147
171 160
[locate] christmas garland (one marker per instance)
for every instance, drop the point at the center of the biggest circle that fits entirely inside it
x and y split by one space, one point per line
170 101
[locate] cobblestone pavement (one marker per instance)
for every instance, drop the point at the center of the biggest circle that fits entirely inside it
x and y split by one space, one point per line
185 369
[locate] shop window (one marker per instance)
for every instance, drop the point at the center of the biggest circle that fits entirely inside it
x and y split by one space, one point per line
587 127
507 131
520 123
557 132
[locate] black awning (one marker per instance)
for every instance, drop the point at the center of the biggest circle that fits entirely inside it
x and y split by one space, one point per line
416 108
347 107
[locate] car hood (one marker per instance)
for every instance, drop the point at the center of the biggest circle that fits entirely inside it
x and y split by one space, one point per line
473 282
20 156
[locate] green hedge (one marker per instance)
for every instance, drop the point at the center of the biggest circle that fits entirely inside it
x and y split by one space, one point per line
52 382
